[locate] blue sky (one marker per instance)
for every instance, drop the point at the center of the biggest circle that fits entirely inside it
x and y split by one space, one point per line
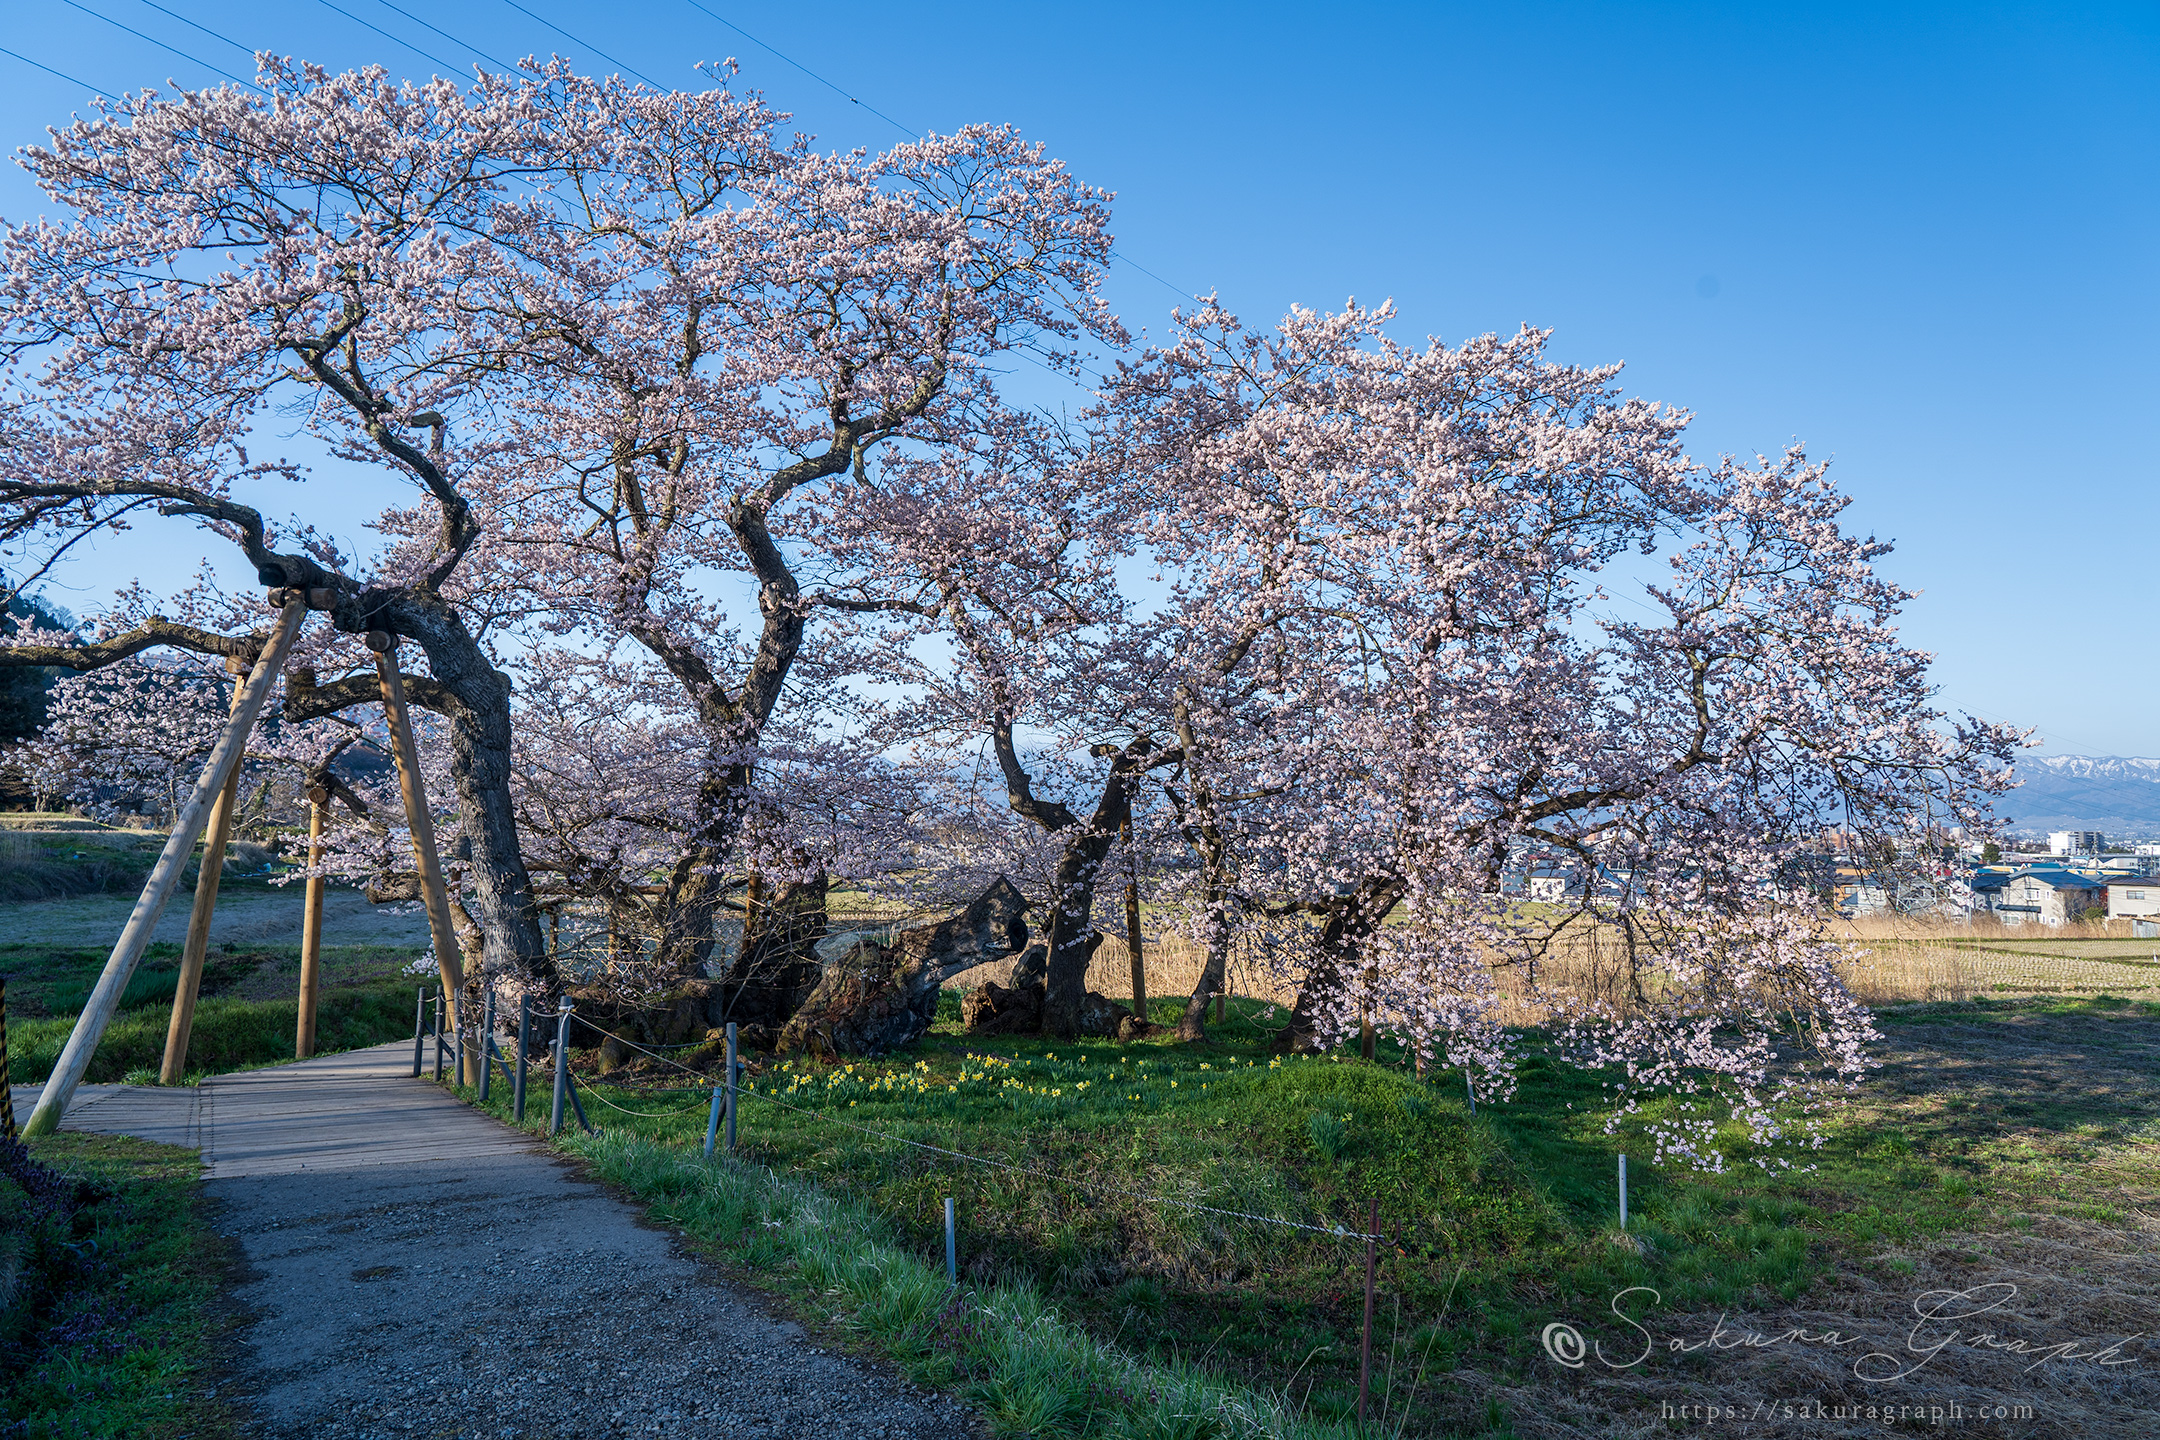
1922 240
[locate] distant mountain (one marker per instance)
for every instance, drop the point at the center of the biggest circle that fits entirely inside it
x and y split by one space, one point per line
2117 795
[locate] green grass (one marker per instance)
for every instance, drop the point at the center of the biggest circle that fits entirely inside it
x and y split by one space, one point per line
1498 1222
1005 1348
119 1328
49 979
228 1034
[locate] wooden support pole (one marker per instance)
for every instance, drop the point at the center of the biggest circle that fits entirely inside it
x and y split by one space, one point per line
422 824
197 950
311 928
1132 928
134 938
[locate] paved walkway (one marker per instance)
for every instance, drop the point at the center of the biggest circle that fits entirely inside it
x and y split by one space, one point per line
417 1268
337 1112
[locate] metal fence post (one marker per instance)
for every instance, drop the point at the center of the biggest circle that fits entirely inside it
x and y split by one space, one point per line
734 1071
562 1064
517 1086
438 1037
487 1035
1364 1373
952 1252
7 1096
419 1030
1623 1192
712 1124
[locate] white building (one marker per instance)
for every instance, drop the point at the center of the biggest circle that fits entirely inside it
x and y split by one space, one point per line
2048 897
2076 842
2137 901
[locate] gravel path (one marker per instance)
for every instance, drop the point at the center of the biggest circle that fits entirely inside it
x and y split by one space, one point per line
417 1269
504 1297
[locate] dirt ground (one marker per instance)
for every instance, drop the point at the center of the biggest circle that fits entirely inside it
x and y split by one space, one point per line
2041 1320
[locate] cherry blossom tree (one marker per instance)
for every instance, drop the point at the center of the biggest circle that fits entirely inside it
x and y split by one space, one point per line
710 354
1397 664
605 336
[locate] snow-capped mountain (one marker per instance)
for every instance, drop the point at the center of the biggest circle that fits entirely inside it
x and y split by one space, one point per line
2118 795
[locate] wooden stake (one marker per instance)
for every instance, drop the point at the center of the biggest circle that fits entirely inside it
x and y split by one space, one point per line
311 928
414 793
1132 930
197 950
134 938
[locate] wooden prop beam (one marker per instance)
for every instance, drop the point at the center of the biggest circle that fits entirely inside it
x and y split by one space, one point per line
197 950
1132 929
432 891
104 1000
311 928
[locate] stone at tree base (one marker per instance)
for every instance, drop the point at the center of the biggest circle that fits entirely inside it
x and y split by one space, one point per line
1132 1027
1101 1016
877 998
993 1009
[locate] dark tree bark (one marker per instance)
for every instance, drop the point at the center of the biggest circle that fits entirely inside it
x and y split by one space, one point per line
877 998
776 967
1348 921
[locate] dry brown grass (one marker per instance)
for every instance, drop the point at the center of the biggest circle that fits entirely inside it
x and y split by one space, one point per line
1891 960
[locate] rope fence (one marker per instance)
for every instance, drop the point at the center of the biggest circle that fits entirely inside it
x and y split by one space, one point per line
727 1092
1090 1186
726 1097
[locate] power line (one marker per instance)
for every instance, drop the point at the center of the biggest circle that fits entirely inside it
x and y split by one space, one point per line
911 134
385 34
223 39
504 64
903 129
191 59
93 89
1173 289
594 48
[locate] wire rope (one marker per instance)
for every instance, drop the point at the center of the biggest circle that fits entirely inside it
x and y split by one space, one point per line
852 100
492 60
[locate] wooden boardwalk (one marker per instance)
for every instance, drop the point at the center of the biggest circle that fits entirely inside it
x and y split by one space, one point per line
336 1112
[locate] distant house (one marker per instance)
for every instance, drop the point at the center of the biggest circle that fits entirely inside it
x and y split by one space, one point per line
2048 897
1987 886
2137 901
1857 892
1554 885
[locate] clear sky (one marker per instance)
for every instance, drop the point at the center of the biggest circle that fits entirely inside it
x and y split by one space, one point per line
1921 239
